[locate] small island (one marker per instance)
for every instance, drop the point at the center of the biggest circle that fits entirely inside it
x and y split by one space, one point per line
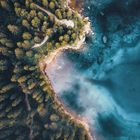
32 33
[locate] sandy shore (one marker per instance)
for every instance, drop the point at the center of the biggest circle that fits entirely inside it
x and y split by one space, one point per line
72 116
46 61
49 61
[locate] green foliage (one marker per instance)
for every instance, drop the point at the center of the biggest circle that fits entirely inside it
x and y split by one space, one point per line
36 22
51 5
45 2
27 105
19 53
13 29
26 35
58 13
54 117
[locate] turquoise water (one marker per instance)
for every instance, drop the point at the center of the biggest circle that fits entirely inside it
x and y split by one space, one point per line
102 81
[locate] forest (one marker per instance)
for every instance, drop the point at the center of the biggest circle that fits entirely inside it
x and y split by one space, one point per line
28 110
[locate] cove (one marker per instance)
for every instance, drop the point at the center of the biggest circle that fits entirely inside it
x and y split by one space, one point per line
101 81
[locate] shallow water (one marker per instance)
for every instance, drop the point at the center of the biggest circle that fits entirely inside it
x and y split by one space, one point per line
102 81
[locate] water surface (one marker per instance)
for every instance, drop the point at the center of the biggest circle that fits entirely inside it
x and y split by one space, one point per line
102 81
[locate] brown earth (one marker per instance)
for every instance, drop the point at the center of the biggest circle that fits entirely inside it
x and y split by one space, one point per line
76 5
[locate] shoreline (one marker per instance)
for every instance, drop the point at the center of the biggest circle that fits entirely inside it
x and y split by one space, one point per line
65 110
47 60
76 46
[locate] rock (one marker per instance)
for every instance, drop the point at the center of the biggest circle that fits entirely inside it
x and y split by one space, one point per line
104 39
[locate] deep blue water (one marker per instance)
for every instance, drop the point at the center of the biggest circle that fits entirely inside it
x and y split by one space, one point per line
102 81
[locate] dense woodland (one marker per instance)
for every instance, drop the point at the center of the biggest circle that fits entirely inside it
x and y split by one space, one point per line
27 107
